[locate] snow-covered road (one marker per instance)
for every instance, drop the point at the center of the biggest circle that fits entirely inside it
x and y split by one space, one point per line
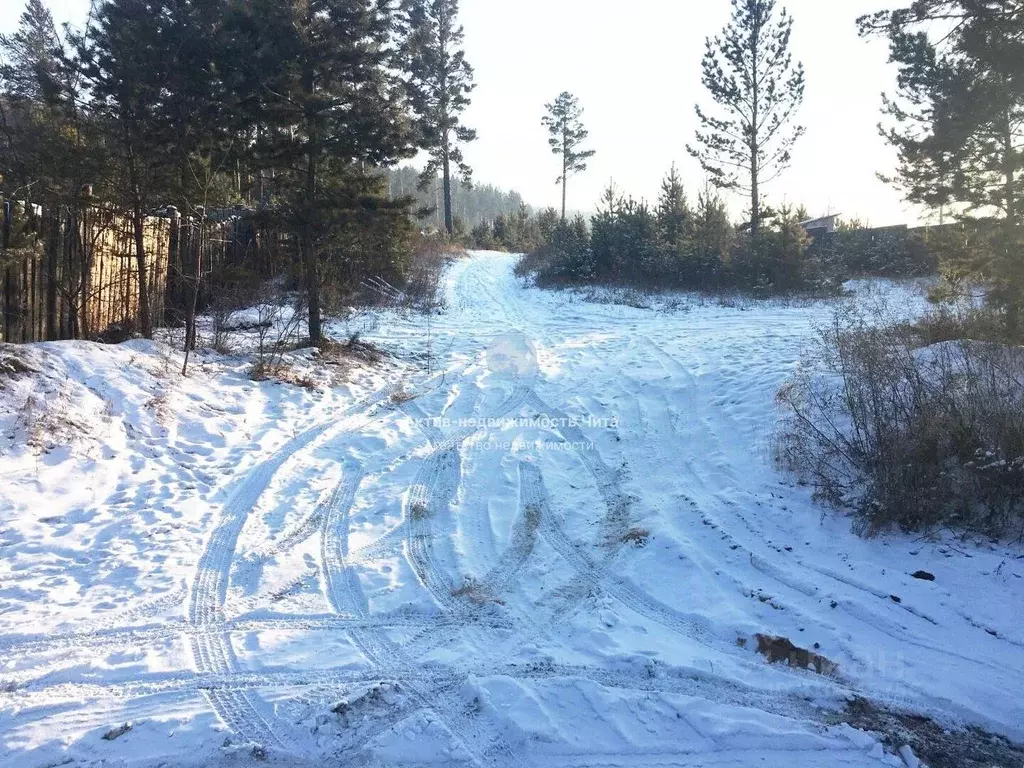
554 547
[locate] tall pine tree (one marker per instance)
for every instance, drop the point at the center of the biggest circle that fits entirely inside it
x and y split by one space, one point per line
127 76
750 75
325 89
567 134
957 122
440 81
31 64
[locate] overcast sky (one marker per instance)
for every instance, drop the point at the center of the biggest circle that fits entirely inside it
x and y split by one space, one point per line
635 68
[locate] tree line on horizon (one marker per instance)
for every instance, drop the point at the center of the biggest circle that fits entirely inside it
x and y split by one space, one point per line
471 202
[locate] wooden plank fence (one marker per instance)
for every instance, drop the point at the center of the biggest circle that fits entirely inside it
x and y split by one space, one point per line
71 272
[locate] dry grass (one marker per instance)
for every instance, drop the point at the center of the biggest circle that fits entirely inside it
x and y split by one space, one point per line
638 537
401 396
354 349
160 405
919 438
936 745
283 374
49 422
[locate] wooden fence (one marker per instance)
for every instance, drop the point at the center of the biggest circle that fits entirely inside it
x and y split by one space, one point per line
71 272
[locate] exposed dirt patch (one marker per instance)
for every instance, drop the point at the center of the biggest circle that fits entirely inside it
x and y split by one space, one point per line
118 732
401 396
638 537
11 363
476 593
781 650
936 746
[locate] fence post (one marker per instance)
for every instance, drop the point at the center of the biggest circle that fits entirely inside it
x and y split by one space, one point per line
10 297
51 245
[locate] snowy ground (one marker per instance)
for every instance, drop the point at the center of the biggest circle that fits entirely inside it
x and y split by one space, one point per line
549 539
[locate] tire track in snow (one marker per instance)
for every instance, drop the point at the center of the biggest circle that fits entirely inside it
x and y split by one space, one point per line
346 596
147 634
615 523
295 535
340 584
435 484
692 626
210 585
433 489
243 712
500 580
393 539
34 700
522 540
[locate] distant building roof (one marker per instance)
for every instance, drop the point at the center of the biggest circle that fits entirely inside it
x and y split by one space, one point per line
822 222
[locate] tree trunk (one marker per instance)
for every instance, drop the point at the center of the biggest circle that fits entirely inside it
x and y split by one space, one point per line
565 178
190 317
755 170
145 315
1013 298
308 244
51 244
449 221
309 257
1009 172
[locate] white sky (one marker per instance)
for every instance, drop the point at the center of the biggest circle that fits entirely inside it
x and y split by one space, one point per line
636 70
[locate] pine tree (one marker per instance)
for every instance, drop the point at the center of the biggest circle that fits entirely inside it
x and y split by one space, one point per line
750 75
31 66
713 234
325 91
564 123
122 57
48 149
604 238
675 225
440 81
957 122
41 119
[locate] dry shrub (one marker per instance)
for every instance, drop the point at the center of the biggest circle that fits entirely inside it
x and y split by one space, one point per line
957 323
263 370
401 396
50 422
430 256
354 348
781 650
917 437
